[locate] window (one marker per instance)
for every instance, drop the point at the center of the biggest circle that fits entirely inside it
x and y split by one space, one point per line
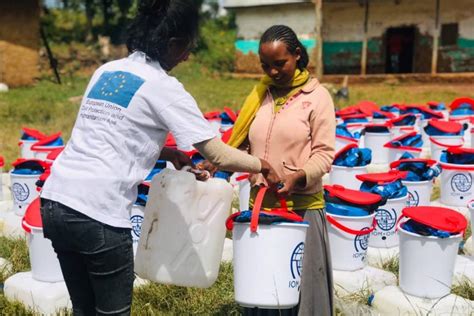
449 34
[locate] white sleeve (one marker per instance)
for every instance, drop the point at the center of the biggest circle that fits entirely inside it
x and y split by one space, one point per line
186 122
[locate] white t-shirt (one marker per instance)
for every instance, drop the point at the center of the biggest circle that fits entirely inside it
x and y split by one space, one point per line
128 109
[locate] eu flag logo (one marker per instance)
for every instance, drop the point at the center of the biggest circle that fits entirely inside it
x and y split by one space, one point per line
117 87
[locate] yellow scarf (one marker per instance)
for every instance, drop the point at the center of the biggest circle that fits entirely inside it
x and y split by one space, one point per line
254 101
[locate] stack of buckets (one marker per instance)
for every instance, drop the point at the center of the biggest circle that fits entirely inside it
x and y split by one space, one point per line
44 262
346 176
384 235
45 146
427 260
272 278
419 192
349 224
29 137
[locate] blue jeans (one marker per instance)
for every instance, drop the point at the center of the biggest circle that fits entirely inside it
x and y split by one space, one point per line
96 260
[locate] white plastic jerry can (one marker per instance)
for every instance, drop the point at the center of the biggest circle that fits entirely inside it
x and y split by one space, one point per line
182 236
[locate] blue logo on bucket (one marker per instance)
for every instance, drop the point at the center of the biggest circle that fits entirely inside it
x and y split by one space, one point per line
20 191
296 263
137 221
461 182
386 219
413 198
361 242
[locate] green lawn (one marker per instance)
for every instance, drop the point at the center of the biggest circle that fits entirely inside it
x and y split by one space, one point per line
49 108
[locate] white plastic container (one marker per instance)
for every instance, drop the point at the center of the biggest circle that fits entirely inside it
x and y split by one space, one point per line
342 142
419 192
375 142
349 249
440 143
44 261
424 136
136 218
23 191
41 152
25 148
472 138
456 187
183 231
397 131
267 264
346 176
427 264
463 119
244 191
396 153
385 235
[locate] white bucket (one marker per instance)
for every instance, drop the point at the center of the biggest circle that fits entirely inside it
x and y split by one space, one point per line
472 138
25 148
136 218
41 152
342 142
440 143
385 235
419 192
349 250
464 119
427 264
23 191
396 153
346 176
267 264
44 261
424 136
456 184
471 210
375 142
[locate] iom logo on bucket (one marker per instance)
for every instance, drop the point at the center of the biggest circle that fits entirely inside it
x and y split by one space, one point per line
296 265
413 198
20 191
386 219
137 221
461 182
361 242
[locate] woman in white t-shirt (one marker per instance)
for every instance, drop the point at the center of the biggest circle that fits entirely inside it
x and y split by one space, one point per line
129 107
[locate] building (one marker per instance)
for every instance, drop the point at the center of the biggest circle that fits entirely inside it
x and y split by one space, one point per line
365 36
19 41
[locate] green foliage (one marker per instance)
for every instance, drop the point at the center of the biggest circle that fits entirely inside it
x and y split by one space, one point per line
65 25
216 48
16 252
464 288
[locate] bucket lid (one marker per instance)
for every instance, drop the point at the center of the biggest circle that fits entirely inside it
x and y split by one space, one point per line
344 149
32 217
446 126
226 135
352 196
437 217
428 162
347 111
32 133
459 101
54 153
47 140
354 116
460 150
170 141
230 113
368 107
382 178
212 115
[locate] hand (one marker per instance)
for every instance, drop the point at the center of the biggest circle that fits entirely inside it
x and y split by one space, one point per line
291 181
269 173
176 157
206 165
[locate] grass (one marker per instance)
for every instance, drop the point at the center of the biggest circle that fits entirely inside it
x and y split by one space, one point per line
465 288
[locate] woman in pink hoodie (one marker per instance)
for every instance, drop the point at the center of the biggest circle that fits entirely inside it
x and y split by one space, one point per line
288 119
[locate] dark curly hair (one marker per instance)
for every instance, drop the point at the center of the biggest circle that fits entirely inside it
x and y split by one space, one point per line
159 20
288 36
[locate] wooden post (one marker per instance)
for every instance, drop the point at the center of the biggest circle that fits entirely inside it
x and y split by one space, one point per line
318 51
363 62
434 60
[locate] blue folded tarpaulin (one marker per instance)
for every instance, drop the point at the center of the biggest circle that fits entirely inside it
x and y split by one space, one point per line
390 108
390 190
159 166
263 218
438 107
377 129
408 120
424 230
341 130
419 171
354 157
337 206
457 159
463 109
409 141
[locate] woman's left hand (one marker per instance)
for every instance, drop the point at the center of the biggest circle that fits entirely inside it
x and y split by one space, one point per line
176 157
289 182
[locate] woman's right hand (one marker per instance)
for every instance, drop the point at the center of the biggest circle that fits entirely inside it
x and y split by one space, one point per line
270 174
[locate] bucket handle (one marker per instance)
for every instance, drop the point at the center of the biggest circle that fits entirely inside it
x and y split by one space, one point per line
348 230
258 206
25 226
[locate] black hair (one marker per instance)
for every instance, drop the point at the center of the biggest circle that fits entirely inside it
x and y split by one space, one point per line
288 36
157 21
